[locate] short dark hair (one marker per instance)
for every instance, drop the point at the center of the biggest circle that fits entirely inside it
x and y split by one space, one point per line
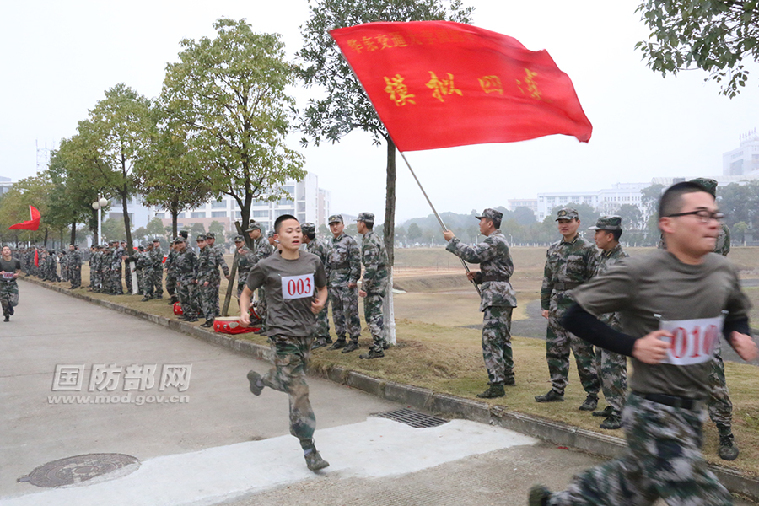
278 222
369 225
311 236
496 222
671 201
617 234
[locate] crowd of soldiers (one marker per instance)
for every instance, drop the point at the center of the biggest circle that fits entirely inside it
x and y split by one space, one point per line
63 266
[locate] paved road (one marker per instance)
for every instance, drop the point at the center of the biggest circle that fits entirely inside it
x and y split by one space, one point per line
222 445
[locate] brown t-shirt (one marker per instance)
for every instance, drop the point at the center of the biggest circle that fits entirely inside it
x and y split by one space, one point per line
290 288
649 288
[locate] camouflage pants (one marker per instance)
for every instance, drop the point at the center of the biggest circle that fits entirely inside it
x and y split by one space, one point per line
209 299
171 284
8 295
612 371
662 460
128 276
344 302
496 344
115 279
156 278
720 407
321 329
146 287
187 292
374 319
76 277
558 343
291 356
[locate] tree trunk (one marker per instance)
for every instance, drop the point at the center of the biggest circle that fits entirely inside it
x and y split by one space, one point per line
388 309
127 221
174 217
73 232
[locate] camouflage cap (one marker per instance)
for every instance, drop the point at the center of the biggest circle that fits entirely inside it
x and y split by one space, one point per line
239 238
710 185
177 240
253 226
366 217
141 247
608 223
156 240
200 237
270 233
491 214
210 235
567 213
308 228
335 218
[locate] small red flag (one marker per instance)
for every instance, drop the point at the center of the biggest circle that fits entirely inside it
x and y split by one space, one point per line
36 258
439 84
32 224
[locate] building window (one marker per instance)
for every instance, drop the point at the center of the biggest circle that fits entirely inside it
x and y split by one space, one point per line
181 215
280 212
198 215
261 214
238 214
285 202
260 204
159 215
289 189
219 214
218 204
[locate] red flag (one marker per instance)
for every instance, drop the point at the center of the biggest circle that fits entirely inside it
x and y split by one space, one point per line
32 224
438 84
36 258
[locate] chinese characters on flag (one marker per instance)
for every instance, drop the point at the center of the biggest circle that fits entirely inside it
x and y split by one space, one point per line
438 84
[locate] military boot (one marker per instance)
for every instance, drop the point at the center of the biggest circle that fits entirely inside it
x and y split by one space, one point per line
551 396
373 354
539 495
339 343
727 447
590 403
604 413
208 324
613 421
492 392
351 346
256 385
509 381
314 461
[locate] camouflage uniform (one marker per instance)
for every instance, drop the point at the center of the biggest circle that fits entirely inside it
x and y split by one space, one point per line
75 268
218 253
144 272
498 299
208 282
611 367
171 273
374 258
127 268
568 265
115 272
156 277
8 294
320 249
64 263
245 262
344 267
262 249
662 459
186 265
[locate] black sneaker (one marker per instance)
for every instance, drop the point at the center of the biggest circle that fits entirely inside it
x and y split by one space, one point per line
207 324
604 413
492 392
590 403
7 318
253 377
340 343
314 461
351 346
612 422
727 448
372 354
539 495
551 396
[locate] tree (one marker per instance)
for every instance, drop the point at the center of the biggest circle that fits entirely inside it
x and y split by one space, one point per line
631 216
113 229
347 107
217 229
714 36
740 203
414 233
140 234
118 130
524 216
197 229
229 94
650 196
155 228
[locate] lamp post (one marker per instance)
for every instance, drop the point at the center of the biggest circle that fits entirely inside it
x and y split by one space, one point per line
99 204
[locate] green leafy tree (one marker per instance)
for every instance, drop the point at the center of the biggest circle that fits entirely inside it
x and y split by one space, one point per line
155 228
524 216
719 37
113 229
631 216
140 234
197 228
740 203
650 196
414 233
346 106
14 207
229 93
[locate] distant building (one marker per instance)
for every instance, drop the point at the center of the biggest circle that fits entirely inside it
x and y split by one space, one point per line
531 204
606 201
5 185
743 160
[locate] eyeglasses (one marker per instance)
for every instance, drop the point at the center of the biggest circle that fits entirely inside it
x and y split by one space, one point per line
703 215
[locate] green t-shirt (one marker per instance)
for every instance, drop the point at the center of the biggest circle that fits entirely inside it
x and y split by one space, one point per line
290 288
649 288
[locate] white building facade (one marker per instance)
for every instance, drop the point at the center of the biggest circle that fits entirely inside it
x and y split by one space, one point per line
743 160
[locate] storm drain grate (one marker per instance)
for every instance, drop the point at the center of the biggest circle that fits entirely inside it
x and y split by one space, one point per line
413 418
79 468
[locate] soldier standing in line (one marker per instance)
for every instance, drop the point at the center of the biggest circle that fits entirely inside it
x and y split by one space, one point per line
127 257
208 281
374 284
344 269
145 272
498 298
187 264
611 367
171 272
570 262
156 277
245 262
262 248
218 252
116 257
63 261
720 406
75 266
320 249
91 261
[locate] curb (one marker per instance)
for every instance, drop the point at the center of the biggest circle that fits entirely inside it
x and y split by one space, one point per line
557 433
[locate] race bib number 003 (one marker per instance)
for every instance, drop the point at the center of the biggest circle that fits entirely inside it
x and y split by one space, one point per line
692 341
297 287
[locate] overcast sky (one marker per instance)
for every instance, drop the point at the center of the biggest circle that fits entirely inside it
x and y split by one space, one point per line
58 59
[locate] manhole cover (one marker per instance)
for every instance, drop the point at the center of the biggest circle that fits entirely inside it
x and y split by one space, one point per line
413 418
78 469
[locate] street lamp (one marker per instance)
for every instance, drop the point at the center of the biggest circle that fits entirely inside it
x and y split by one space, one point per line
99 204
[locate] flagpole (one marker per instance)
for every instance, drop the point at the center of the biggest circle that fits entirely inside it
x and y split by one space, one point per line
439 219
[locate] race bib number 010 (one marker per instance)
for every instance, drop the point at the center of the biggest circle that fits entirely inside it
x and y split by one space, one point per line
692 341
298 287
